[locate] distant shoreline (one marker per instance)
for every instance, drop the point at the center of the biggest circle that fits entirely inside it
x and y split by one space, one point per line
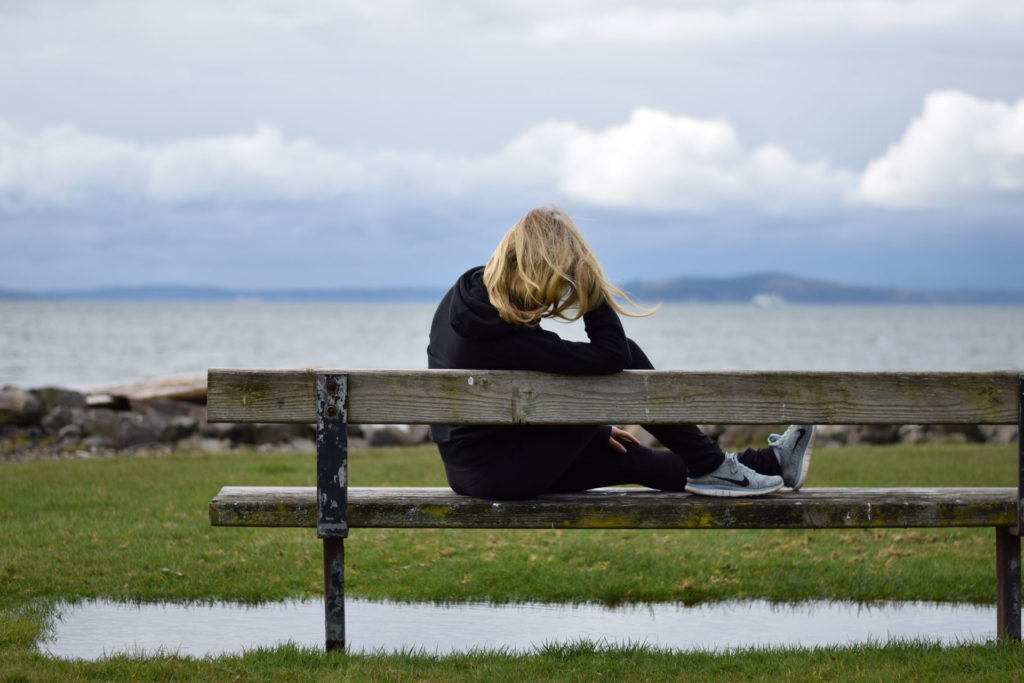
761 289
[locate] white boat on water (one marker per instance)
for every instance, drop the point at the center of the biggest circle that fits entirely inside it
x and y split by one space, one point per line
768 300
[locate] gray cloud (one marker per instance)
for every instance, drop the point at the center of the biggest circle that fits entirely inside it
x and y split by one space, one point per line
713 22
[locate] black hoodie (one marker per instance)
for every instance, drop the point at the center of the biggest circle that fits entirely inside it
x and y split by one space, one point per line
467 333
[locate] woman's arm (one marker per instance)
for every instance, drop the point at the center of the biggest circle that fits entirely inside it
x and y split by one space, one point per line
605 353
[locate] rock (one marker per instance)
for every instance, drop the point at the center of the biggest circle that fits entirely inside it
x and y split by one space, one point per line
384 436
302 445
918 434
166 408
215 445
136 430
969 433
873 434
260 433
176 419
954 437
61 416
178 428
912 434
256 433
218 430
102 423
200 443
97 443
120 429
55 397
392 435
69 434
831 435
20 407
999 433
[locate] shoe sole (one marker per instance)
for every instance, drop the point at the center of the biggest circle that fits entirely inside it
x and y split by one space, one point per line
806 464
730 493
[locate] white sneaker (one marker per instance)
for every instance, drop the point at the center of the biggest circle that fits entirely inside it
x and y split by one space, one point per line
794 450
733 478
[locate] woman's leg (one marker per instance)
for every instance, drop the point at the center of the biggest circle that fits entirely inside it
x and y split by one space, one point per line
600 465
527 464
700 452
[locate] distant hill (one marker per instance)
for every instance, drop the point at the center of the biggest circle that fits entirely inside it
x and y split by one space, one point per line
183 293
8 295
778 288
762 288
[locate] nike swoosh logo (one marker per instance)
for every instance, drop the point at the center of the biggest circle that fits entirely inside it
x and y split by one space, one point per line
739 482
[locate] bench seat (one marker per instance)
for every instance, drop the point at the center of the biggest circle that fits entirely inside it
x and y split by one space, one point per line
625 508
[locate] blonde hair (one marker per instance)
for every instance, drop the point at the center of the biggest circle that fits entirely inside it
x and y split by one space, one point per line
543 268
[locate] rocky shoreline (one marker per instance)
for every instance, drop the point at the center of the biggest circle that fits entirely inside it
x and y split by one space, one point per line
52 422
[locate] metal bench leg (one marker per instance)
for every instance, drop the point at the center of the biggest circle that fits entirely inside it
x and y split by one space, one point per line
1008 544
1008 584
334 593
332 498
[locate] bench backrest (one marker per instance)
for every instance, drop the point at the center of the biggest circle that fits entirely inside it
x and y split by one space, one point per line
630 397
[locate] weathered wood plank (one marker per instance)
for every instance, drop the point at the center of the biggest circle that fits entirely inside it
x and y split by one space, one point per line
631 397
190 387
626 509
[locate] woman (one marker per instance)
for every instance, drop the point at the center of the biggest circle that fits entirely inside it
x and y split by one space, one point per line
489 320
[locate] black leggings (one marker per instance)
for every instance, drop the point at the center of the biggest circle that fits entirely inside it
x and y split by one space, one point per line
517 475
600 465
700 452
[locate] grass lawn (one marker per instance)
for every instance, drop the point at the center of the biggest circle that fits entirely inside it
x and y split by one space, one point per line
135 528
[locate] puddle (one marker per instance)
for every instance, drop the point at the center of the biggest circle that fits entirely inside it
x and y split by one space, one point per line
94 629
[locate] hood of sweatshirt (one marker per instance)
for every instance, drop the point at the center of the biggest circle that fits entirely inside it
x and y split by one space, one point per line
471 312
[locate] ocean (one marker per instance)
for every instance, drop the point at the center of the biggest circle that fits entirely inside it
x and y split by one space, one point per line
77 344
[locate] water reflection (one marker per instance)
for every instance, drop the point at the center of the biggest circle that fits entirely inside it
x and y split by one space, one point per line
94 629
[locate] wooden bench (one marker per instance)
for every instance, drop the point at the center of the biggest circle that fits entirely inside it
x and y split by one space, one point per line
332 399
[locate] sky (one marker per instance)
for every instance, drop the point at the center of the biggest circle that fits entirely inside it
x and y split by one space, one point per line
321 143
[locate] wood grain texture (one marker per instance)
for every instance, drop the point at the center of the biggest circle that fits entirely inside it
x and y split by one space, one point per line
630 397
381 507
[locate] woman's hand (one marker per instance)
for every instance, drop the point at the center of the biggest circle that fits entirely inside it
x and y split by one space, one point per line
619 435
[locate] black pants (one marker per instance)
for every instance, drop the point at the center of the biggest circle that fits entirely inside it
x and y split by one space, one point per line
502 471
691 451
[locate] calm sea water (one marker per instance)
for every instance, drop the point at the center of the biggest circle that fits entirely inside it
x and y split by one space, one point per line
72 344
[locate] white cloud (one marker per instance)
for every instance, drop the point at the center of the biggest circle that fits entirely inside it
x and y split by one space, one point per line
61 164
65 166
258 164
960 149
660 161
707 22
654 161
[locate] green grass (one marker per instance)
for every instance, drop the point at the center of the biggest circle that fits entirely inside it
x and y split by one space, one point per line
572 662
136 529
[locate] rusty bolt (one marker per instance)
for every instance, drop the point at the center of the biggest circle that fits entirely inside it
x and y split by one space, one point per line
332 411
332 386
